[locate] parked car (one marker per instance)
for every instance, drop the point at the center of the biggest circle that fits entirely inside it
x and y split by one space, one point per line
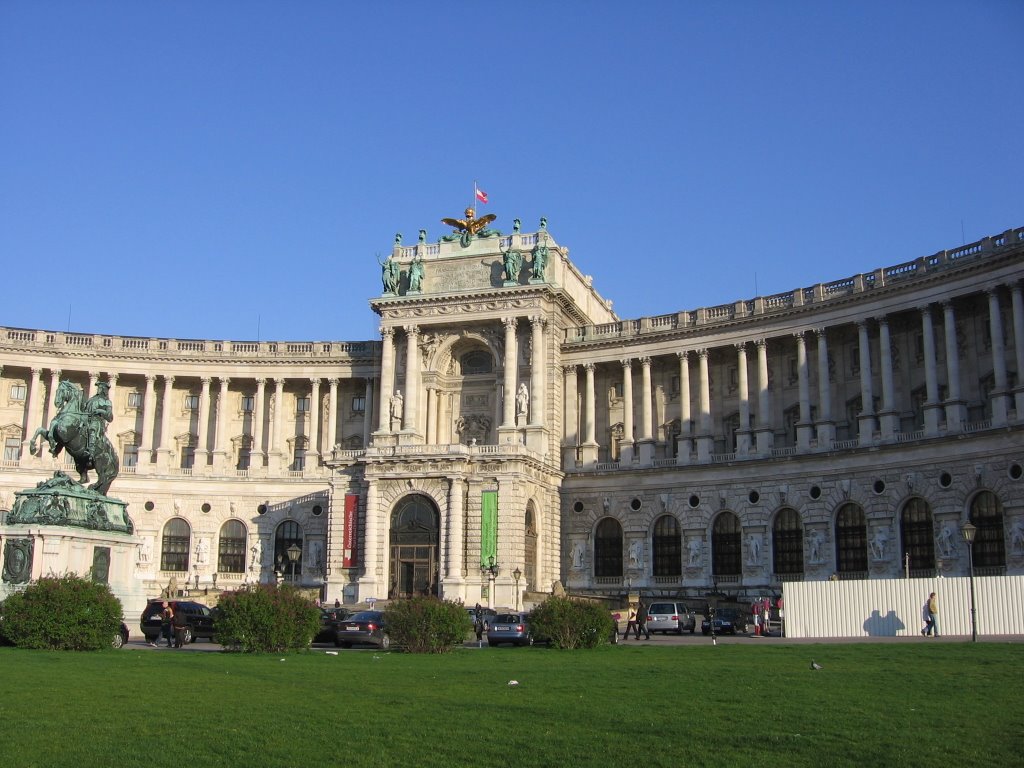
199 620
727 621
511 628
120 637
487 614
670 617
329 620
365 628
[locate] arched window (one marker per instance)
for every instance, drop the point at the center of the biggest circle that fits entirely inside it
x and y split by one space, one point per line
231 547
174 547
288 533
608 548
917 535
476 362
668 548
530 555
989 548
725 546
415 532
851 540
788 542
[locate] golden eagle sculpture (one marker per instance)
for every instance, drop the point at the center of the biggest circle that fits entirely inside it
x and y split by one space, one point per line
468 228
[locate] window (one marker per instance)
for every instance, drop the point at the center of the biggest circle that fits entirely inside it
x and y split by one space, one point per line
134 399
988 549
668 547
475 363
788 542
302 404
917 534
359 404
299 462
244 458
608 549
231 548
191 402
12 449
851 540
18 391
174 547
288 533
188 457
725 546
130 457
248 403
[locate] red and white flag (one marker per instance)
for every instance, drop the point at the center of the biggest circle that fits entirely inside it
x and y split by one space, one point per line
480 194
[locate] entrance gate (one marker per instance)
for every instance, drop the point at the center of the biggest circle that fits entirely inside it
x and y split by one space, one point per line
414 548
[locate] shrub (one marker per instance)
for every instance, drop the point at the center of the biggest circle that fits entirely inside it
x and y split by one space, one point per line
568 623
64 613
426 624
266 618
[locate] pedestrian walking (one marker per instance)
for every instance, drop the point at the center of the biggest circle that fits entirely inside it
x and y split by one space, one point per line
167 623
630 623
930 614
641 621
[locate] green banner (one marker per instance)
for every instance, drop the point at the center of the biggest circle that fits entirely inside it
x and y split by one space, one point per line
488 528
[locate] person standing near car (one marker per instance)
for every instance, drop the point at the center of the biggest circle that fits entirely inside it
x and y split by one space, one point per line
166 623
180 623
641 621
631 624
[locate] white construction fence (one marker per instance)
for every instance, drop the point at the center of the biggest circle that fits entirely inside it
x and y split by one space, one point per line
892 607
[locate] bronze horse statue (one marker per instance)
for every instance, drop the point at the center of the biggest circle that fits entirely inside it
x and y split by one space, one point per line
70 430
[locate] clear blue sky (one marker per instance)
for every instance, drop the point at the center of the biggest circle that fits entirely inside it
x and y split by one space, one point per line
208 169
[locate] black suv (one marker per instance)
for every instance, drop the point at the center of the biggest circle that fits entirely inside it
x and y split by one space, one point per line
199 619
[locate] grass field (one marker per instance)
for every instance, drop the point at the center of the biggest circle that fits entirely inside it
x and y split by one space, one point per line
945 704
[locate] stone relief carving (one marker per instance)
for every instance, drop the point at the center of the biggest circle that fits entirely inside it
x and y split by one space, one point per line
636 555
754 549
944 541
1017 537
695 550
815 542
880 543
577 556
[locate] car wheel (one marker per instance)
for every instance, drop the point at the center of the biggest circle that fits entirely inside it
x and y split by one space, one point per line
118 640
187 636
385 642
529 640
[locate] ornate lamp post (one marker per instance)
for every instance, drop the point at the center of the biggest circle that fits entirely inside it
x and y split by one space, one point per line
491 569
293 557
969 532
517 575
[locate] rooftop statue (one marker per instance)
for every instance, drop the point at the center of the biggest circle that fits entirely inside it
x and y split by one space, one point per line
468 228
80 428
390 274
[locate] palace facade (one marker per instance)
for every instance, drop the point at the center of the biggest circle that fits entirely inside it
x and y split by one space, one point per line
508 432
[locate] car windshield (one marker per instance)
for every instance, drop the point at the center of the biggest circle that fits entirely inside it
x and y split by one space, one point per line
507 618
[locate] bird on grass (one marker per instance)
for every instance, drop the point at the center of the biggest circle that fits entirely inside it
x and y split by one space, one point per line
815 665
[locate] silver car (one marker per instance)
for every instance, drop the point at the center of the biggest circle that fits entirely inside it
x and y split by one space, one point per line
511 628
670 617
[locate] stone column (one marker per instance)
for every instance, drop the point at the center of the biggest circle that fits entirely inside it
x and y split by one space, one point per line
804 427
571 436
685 447
33 409
743 385
889 420
410 421
537 371
367 410
277 460
646 414
114 426
256 454
956 412
765 436
705 440
456 532
931 406
332 416
1000 394
431 416
369 584
1017 299
866 419
825 426
387 379
313 450
149 420
94 376
202 436
590 446
508 418
626 446
163 451
222 444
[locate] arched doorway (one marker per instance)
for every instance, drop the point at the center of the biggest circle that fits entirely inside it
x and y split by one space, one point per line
530 555
414 552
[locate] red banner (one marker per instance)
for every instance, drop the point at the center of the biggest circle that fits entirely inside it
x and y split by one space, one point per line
351 541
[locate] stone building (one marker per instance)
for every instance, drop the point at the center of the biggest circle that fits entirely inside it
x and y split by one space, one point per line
508 431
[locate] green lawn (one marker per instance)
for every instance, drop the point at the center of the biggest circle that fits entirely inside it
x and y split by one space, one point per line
926 704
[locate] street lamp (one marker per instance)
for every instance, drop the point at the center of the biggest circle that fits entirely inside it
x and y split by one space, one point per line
293 556
517 575
969 532
492 571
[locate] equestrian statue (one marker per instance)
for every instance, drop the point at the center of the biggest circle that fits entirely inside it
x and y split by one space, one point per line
80 428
